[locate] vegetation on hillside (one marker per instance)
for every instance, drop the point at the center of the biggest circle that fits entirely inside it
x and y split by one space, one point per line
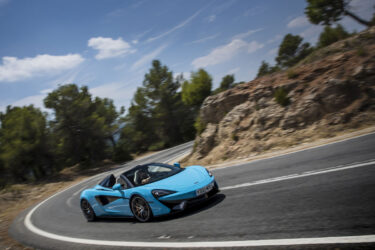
83 130
326 12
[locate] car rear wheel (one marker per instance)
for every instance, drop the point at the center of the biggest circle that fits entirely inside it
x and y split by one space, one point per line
87 210
141 209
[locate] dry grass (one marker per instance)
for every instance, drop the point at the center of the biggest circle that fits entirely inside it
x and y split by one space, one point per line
18 197
302 139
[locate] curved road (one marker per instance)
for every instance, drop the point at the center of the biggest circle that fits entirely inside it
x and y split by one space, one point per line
322 195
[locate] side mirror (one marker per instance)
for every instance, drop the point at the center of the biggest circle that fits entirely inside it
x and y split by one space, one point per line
117 186
176 164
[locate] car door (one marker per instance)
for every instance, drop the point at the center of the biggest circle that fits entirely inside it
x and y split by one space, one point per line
116 203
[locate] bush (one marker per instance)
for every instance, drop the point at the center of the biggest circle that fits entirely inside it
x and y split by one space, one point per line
281 97
199 125
291 74
331 35
361 51
234 136
121 153
156 146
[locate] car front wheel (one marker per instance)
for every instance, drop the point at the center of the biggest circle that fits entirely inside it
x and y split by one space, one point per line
141 209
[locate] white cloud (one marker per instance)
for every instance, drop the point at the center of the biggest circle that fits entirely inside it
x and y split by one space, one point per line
226 52
177 27
14 69
218 9
147 58
211 18
120 93
254 46
362 7
36 100
109 48
273 51
233 71
246 34
66 78
185 75
274 39
202 40
311 34
297 22
46 91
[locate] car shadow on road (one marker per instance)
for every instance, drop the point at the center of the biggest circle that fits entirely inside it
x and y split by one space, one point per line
194 209
197 208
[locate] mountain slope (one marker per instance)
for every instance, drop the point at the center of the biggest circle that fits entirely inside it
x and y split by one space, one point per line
331 91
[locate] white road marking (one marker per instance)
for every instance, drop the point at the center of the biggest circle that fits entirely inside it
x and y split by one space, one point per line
69 201
295 176
164 237
245 243
79 191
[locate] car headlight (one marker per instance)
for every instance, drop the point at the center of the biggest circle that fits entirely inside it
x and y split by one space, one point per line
161 192
209 173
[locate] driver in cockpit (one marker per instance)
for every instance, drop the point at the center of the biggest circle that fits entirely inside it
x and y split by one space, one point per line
142 177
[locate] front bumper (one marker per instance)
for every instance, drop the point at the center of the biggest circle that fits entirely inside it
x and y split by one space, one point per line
180 205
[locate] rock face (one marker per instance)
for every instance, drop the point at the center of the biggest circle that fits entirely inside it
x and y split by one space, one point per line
333 92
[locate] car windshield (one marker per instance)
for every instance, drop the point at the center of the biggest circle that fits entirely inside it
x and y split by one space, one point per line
108 181
149 173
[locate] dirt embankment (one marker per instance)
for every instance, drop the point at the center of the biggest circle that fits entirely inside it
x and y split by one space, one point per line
330 92
18 197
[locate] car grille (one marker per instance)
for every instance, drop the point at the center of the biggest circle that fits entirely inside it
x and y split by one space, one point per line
171 203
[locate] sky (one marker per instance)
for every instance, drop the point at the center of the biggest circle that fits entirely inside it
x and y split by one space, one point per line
109 45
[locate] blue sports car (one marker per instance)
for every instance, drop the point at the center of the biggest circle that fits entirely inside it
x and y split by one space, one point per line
148 190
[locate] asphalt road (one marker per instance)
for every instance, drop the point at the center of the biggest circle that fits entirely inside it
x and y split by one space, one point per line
328 191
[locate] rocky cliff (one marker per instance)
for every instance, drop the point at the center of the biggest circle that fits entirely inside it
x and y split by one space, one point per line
331 91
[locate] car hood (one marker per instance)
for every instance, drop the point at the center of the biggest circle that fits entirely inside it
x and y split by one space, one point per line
191 176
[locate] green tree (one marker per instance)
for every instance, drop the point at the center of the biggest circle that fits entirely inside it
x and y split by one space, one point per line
226 83
291 51
264 69
330 11
3 177
372 22
157 117
24 145
139 130
161 90
330 35
195 91
83 126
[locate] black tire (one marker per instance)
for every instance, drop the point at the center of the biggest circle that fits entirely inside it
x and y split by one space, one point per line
87 210
216 187
140 209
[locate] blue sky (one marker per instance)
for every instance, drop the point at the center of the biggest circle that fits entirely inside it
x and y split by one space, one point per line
109 45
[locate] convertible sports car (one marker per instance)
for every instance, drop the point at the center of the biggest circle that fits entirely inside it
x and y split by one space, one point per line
148 190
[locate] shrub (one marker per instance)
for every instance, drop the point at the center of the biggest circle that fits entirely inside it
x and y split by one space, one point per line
291 74
331 35
281 97
361 51
234 136
156 146
199 125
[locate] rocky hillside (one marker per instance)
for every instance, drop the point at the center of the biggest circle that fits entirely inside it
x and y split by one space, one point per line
330 92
